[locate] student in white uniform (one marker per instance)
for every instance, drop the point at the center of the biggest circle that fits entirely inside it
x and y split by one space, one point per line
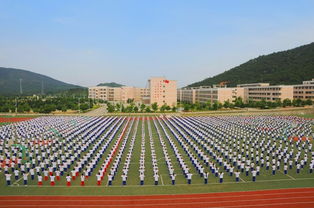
110 177
25 177
173 178
206 177
8 178
237 175
124 177
156 176
253 175
221 177
189 177
142 176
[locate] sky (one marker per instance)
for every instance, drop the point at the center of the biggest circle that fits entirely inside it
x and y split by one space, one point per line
87 42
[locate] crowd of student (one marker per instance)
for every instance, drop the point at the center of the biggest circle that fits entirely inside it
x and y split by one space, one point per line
50 148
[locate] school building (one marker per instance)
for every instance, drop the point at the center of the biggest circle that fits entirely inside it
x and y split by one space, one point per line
160 90
118 94
252 91
163 91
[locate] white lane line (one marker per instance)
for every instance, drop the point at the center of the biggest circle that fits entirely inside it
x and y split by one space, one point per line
170 197
184 203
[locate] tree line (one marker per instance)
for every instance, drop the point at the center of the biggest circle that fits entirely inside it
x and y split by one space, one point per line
239 103
131 107
45 104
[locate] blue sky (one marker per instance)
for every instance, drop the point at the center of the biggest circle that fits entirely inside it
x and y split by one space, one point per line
88 42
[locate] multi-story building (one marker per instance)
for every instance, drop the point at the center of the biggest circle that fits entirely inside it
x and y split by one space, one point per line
304 91
253 91
163 91
118 94
204 94
268 93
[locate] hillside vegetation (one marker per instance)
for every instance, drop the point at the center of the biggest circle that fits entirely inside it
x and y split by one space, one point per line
32 83
286 67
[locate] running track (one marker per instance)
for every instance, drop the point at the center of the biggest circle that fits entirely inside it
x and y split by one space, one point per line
282 198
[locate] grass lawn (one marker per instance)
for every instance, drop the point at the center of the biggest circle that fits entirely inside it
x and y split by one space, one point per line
264 181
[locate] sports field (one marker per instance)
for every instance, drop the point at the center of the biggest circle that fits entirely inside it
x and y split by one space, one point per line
195 145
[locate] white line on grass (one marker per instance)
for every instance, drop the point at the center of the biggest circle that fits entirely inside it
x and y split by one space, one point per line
16 182
183 184
242 180
287 175
162 181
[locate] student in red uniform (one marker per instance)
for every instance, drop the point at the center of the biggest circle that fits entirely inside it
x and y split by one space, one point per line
82 180
57 175
98 176
73 172
40 180
52 180
68 178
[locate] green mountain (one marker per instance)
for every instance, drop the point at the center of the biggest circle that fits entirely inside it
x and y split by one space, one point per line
31 83
286 67
110 84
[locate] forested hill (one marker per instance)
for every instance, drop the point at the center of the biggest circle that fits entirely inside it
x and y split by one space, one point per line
32 83
286 67
110 84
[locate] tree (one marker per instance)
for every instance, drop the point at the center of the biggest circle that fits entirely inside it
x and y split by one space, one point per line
227 104
135 109
215 105
110 108
155 107
186 107
64 108
308 102
5 108
84 106
174 109
286 102
143 106
238 102
209 105
261 104
118 106
164 107
130 100
297 102
147 110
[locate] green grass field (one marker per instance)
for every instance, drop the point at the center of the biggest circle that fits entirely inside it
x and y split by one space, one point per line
264 181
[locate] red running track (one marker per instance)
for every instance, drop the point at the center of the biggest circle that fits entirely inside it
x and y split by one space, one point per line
14 119
282 198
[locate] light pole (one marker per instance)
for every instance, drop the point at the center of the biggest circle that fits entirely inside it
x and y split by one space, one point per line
79 105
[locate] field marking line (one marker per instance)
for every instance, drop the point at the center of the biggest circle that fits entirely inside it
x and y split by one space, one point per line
288 175
181 203
16 182
183 184
242 180
162 181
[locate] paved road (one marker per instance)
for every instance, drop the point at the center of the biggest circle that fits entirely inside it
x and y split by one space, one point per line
97 112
